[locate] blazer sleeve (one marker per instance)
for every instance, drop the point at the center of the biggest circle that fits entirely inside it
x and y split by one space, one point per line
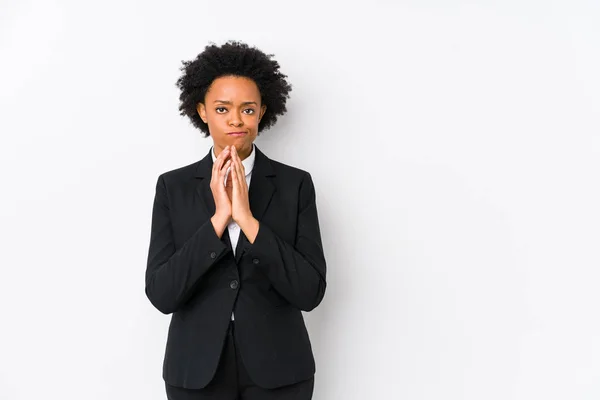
172 275
296 272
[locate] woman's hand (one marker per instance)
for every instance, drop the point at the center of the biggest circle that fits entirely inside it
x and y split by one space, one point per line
222 200
240 203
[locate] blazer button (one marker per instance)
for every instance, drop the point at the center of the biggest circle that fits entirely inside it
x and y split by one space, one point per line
234 284
213 254
256 261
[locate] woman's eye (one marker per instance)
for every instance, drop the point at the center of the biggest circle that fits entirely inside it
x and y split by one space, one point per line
249 111
220 110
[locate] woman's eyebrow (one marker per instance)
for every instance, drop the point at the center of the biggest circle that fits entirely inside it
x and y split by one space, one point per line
229 102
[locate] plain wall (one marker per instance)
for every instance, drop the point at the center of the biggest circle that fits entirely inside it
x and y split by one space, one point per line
454 147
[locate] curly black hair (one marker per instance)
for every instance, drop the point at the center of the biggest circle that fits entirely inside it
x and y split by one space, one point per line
234 58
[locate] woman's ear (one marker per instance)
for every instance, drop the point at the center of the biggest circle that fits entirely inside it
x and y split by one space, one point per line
201 111
263 108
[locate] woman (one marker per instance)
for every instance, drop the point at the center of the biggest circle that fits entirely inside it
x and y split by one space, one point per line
235 267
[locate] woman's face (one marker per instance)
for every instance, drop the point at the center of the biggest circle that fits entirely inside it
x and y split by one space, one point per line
232 110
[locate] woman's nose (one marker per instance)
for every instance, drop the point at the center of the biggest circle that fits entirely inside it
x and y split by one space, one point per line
236 120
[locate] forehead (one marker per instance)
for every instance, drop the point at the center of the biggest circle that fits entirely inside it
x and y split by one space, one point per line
233 88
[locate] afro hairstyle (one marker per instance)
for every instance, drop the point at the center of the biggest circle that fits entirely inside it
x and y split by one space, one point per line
233 58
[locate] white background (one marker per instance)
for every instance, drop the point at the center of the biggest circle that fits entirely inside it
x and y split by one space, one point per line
454 146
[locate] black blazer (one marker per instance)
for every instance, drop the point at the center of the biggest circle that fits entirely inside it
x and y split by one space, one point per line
193 274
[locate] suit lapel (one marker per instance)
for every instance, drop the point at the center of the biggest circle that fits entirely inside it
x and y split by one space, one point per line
260 193
261 185
203 175
203 192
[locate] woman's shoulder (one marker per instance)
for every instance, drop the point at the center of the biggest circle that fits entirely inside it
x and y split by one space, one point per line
289 171
289 176
183 173
288 168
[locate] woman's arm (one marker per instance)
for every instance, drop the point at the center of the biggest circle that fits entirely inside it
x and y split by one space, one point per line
171 276
296 272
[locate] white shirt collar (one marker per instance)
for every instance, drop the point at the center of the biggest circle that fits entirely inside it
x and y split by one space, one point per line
248 162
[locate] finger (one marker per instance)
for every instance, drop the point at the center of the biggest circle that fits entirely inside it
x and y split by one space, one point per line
223 171
219 176
218 164
241 164
234 169
215 171
219 170
226 173
225 153
233 152
234 180
240 172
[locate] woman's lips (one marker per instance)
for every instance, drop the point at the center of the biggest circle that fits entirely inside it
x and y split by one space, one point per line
236 133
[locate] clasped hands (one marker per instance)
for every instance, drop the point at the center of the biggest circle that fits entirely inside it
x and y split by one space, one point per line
231 198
